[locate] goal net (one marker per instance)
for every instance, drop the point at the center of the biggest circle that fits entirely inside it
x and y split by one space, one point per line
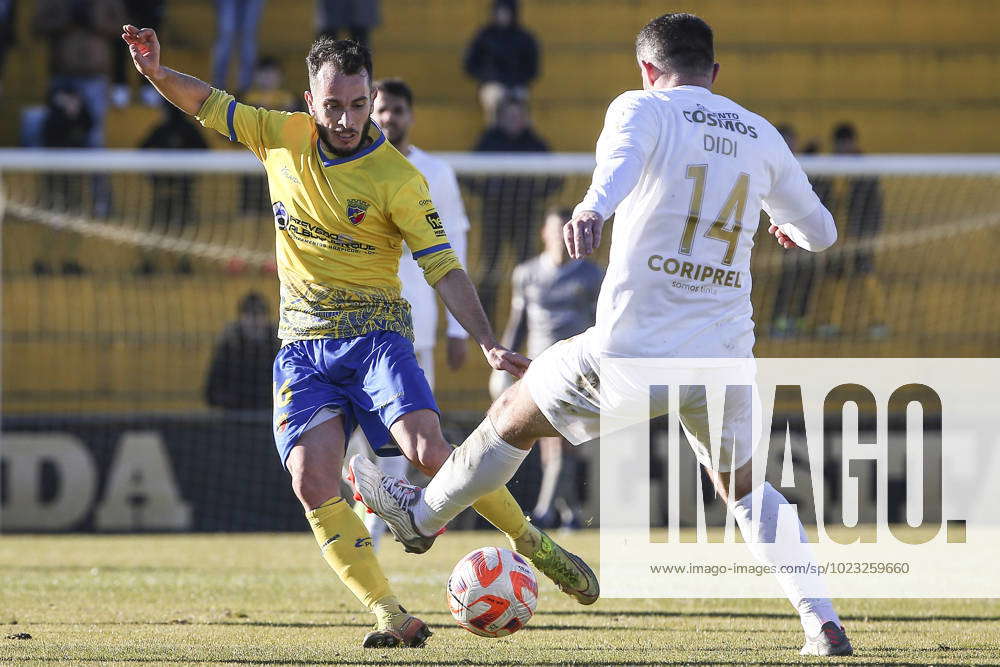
125 272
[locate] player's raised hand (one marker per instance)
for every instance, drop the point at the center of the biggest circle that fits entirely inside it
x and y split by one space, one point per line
583 234
502 359
781 237
144 48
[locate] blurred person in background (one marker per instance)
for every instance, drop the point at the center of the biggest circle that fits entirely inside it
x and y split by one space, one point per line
147 12
798 267
67 124
267 91
174 202
239 376
503 58
79 33
355 17
8 33
553 298
267 88
394 112
858 199
510 203
236 24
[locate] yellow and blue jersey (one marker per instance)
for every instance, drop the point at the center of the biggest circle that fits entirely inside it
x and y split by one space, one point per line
341 222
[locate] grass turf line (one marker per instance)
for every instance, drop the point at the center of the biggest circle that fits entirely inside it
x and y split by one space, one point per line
271 599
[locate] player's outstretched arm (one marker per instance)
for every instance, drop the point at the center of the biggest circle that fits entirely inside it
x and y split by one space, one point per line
185 92
459 295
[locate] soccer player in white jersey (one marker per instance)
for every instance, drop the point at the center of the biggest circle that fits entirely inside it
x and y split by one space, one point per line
393 110
685 172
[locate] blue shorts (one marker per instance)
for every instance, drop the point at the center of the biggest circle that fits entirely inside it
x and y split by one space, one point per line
370 380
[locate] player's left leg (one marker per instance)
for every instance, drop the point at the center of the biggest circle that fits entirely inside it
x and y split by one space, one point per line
475 475
395 393
824 633
490 456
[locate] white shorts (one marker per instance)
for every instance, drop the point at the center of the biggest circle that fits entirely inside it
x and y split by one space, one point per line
566 385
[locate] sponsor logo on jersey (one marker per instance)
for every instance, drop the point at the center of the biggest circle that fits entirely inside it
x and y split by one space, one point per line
356 210
280 215
727 120
287 173
363 542
315 234
705 273
434 220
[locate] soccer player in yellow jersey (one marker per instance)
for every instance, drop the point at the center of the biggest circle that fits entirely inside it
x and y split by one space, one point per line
344 202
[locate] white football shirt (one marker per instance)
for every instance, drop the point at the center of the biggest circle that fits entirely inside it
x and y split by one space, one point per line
422 297
686 173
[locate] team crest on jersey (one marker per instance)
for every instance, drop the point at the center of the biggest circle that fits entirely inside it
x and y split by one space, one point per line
356 210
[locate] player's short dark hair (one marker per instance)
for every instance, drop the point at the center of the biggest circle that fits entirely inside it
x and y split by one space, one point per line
347 57
396 87
678 42
845 132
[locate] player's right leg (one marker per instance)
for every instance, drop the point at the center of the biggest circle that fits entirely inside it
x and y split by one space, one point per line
488 458
310 433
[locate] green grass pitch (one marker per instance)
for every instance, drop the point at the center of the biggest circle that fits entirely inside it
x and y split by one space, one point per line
242 598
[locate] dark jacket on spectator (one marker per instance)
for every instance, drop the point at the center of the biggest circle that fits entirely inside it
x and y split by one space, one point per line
494 139
63 130
240 375
505 55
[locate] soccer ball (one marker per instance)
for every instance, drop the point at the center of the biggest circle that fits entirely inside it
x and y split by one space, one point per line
492 592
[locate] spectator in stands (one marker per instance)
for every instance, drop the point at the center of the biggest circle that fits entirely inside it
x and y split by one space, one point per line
798 267
267 91
553 298
80 56
148 14
356 17
239 377
503 58
173 194
267 88
67 125
236 23
510 203
8 33
860 205
68 121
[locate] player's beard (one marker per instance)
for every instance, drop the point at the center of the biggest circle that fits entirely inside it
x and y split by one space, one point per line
362 141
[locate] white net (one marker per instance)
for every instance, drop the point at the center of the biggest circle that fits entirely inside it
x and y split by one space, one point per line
122 268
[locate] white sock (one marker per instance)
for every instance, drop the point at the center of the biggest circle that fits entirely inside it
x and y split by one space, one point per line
483 463
789 547
393 466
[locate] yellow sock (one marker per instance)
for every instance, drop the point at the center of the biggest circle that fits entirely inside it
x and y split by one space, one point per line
499 508
347 547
